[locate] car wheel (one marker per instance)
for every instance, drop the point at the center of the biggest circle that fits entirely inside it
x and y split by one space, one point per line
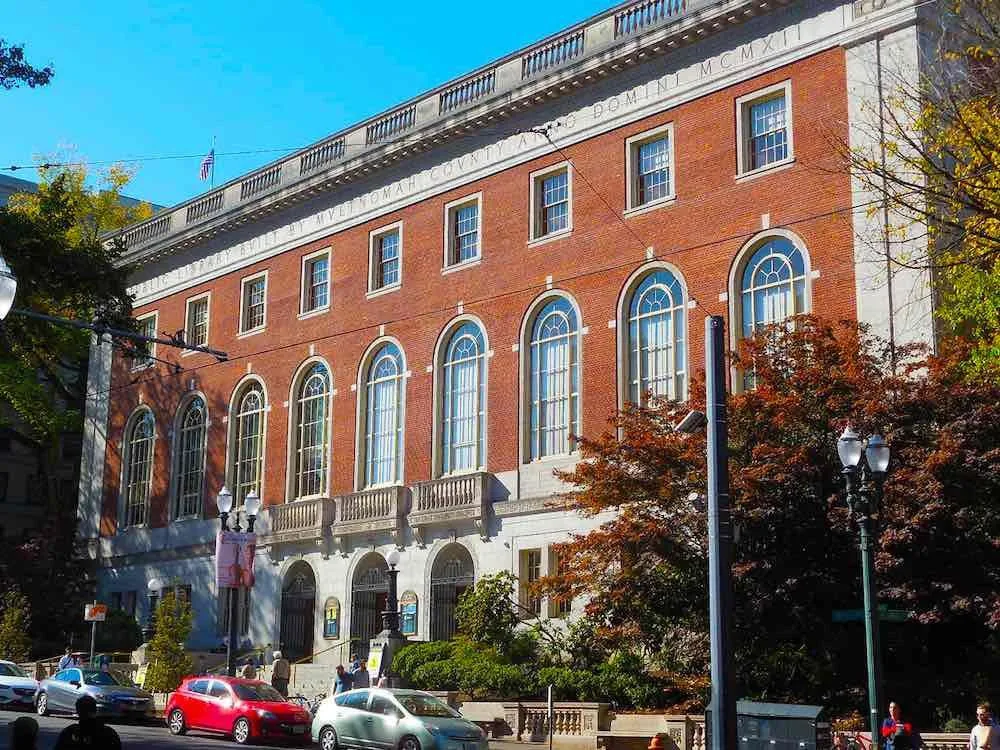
176 722
328 739
241 731
42 707
409 742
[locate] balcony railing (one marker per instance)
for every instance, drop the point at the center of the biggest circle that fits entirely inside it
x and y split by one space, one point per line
299 521
370 512
646 14
552 55
457 498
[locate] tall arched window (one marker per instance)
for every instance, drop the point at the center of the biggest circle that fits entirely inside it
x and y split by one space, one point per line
190 459
384 417
312 434
248 444
554 379
773 285
463 418
656 356
139 438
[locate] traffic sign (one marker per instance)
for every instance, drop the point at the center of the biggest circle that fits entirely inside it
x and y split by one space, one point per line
95 612
884 614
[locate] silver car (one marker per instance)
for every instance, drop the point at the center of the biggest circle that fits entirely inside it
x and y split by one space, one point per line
393 720
114 697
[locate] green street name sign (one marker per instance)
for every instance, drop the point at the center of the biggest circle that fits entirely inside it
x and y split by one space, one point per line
884 614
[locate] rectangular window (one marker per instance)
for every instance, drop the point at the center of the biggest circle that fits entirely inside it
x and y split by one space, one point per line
144 350
316 282
196 322
531 573
650 167
116 600
559 606
253 311
385 258
551 197
462 231
764 128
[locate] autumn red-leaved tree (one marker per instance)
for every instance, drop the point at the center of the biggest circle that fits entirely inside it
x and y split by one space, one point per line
644 570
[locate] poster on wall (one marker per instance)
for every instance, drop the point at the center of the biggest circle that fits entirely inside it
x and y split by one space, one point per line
408 613
234 557
374 662
331 618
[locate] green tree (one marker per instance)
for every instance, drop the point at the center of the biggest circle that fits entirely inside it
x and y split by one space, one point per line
15 623
119 632
14 71
485 613
168 661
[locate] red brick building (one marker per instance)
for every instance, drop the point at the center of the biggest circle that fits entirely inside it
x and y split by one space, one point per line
421 311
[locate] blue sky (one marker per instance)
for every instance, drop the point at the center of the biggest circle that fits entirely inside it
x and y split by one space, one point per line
160 79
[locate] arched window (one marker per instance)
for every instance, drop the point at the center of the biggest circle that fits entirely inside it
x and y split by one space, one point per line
451 575
656 356
554 379
312 432
384 417
463 419
139 439
773 285
248 446
190 459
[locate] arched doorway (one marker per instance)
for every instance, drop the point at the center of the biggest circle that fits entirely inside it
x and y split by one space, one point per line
369 593
298 607
451 574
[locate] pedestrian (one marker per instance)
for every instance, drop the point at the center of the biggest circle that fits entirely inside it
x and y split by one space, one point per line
342 681
986 734
66 661
359 672
269 656
899 734
280 672
249 670
23 733
88 732
104 663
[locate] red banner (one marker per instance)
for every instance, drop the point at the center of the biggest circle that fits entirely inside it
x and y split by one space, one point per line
234 556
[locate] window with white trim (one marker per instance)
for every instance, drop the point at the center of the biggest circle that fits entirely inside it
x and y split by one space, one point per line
385 259
316 282
551 196
384 392
248 444
139 439
254 307
463 419
191 459
462 235
764 125
772 285
559 606
650 167
554 380
312 434
144 350
531 573
196 321
656 350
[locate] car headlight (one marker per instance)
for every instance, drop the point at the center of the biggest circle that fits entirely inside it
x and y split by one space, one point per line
266 714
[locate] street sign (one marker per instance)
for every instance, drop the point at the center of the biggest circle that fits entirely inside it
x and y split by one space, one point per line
884 614
95 612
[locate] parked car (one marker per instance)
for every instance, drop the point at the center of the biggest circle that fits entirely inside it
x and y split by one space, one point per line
393 720
247 710
17 690
115 697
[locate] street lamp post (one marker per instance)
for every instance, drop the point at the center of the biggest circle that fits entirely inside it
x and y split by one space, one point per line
864 481
251 506
390 618
154 587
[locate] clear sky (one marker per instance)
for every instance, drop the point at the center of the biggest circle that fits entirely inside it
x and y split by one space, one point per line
162 78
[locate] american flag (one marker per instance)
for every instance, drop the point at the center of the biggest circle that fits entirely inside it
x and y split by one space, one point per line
207 164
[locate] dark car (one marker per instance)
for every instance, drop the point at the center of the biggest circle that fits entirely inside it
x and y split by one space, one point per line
246 710
114 697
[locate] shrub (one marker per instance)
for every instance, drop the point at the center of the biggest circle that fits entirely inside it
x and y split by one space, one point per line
168 661
15 622
485 613
119 632
955 724
415 655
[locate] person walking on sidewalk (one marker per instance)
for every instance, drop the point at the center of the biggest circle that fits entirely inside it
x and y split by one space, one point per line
342 681
986 734
280 673
898 734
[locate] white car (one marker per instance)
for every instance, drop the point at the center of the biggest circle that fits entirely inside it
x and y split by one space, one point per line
17 690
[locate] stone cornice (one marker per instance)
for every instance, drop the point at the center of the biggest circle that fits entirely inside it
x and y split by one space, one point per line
622 37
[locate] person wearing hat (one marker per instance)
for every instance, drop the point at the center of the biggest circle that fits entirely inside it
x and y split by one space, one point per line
280 673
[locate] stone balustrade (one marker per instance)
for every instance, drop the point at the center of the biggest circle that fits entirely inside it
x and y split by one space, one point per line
298 521
572 723
370 512
464 497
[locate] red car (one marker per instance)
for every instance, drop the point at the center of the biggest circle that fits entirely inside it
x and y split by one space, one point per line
245 709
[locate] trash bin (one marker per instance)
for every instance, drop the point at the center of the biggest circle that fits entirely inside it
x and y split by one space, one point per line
777 726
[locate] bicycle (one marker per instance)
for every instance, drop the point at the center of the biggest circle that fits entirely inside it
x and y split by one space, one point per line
858 742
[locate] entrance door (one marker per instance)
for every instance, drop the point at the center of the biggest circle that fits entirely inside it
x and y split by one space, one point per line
369 594
298 607
451 575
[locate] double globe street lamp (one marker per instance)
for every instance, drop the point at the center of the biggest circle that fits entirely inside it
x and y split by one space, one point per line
865 463
251 507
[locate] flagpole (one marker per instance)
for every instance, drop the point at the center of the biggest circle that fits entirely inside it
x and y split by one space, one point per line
212 186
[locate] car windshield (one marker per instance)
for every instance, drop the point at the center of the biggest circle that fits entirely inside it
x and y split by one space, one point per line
426 705
257 691
100 678
11 670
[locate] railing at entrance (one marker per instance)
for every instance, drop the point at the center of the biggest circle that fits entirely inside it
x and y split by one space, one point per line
299 521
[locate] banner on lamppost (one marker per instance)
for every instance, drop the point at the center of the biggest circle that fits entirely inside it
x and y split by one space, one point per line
234 557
